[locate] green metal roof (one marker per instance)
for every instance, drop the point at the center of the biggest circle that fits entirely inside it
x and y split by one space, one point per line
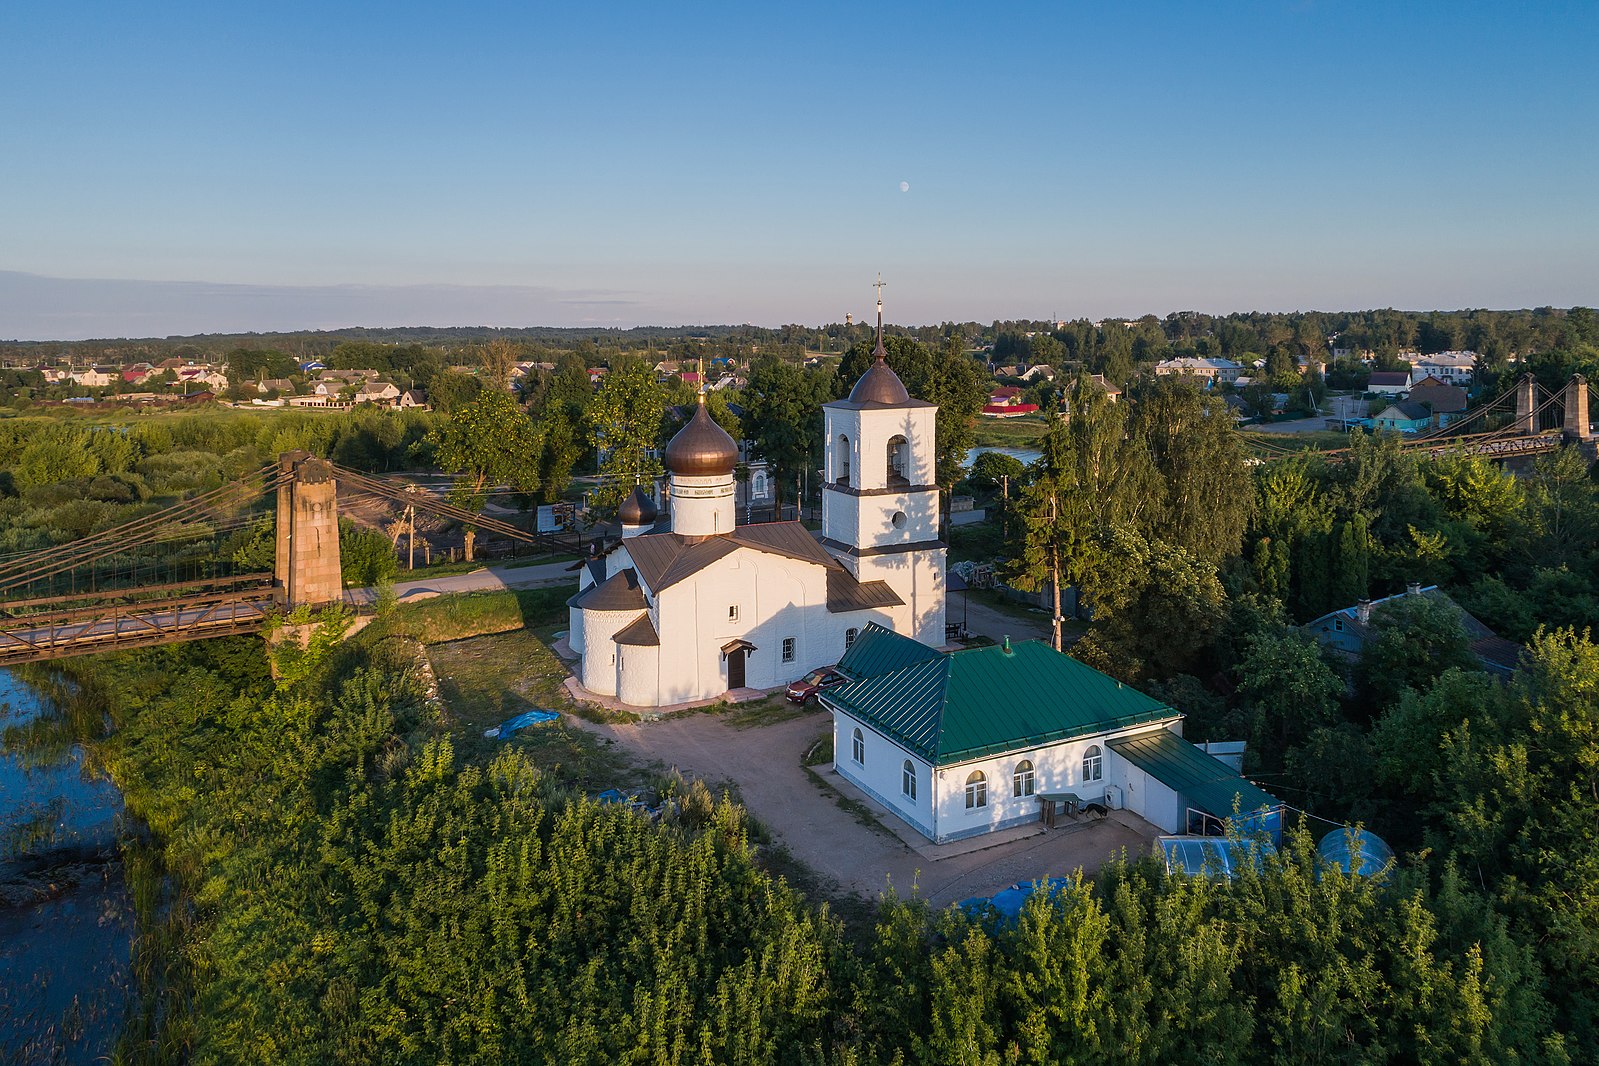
967 704
879 650
1205 782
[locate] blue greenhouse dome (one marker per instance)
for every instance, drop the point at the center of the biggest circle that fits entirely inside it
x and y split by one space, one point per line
1356 851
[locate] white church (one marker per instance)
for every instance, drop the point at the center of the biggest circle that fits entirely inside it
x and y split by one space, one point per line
703 606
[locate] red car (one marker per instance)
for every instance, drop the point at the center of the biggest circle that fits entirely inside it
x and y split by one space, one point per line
806 688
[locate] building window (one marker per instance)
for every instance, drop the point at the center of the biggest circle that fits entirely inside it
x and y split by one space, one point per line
976 791
1091 764
849 637
760 486
1338 624
788 649
732 612
907 780
841 463
857 747
1021 782
897 447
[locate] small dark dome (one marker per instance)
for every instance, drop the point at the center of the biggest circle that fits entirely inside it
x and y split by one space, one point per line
637 510
879 385
702 448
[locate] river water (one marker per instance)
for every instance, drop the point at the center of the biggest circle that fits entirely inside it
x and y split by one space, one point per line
66 922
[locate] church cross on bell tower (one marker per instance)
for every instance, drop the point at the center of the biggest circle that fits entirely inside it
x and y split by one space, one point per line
879 351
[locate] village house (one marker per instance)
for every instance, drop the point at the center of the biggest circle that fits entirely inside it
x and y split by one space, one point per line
961 743
1454 368
1006 402
1389 382
1447 403
379 392
1208 370
94 377
1406 416
1347 631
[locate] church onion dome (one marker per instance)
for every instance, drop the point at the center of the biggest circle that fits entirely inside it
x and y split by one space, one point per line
879 384
702 448
637 510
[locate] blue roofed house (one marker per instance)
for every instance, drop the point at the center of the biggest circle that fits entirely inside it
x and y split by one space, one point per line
1405 417
1348 630
961 743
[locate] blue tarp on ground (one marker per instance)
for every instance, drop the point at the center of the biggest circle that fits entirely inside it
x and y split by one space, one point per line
521 721
1009 902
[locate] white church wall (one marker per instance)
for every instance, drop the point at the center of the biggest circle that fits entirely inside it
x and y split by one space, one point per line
895 518
599 664
840 511
776 599
574 629
917 577
880 773
638 674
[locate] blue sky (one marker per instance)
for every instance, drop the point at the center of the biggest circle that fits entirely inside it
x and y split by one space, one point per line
315 165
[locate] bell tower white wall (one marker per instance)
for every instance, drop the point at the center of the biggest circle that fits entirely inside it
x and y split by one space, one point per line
882 527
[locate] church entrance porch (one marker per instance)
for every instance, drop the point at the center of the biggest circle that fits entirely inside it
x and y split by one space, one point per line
734 652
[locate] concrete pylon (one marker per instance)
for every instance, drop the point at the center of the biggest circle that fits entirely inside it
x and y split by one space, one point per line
307 570
1526 404
1578 424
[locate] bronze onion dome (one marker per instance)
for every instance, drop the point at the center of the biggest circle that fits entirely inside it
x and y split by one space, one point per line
879 384
702 448
637 510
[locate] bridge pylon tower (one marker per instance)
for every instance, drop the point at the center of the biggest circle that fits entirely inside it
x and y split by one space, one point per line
1527 405
1578 425
307 569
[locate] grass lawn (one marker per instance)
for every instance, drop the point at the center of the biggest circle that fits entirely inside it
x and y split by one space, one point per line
1317 440
486 679
462 615
1010 432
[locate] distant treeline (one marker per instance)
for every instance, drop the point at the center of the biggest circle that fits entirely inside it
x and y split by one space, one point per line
1109 342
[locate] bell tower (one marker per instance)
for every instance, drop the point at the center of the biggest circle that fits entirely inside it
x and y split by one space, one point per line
880 498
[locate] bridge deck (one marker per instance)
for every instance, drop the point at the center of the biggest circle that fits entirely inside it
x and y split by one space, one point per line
86 630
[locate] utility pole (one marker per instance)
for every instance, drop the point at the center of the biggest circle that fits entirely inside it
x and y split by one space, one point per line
1004 507
1054 572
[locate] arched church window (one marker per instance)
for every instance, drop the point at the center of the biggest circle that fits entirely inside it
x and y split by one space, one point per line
898 449
842 462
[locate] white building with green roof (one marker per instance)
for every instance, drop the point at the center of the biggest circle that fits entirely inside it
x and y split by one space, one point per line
968 742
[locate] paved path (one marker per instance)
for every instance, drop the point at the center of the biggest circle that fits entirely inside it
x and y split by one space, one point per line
764 764
487 579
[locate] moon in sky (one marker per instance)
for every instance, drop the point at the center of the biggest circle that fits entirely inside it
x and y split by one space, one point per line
904 186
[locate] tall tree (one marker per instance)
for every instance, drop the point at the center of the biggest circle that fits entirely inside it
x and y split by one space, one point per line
624 426
1206 494
783 415
490 441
